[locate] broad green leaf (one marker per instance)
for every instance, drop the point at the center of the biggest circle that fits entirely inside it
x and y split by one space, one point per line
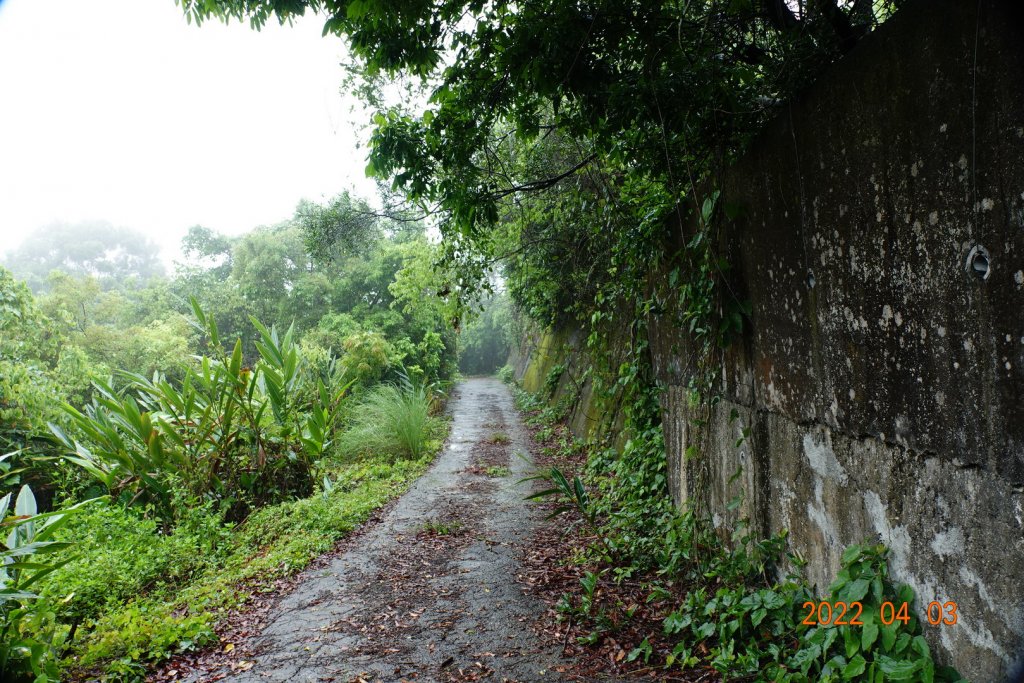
898 670
869 633
854 668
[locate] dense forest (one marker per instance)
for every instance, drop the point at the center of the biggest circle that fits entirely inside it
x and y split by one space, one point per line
170 438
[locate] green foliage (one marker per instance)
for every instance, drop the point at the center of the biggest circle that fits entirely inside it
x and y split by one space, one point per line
343 227
27 334
26 396
29 637
441 527
160 346
485 342
267 263
735 614
573 495
332 329
121 554
176 611
875 651
390 420
368 356
29 346
241 436
750 629
338 273
507 374
38 370
498 471
552 379
208 248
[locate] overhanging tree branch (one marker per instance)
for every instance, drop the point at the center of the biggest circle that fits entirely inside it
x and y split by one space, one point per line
546 182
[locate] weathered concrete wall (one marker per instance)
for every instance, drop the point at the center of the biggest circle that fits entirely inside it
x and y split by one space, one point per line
593 411
881 376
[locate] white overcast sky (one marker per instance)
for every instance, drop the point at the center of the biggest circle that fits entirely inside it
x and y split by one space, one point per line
118 110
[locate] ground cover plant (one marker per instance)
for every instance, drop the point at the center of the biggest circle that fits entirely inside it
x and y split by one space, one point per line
166 594
644 587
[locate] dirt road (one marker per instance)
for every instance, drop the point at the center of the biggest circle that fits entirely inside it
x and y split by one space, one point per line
429 592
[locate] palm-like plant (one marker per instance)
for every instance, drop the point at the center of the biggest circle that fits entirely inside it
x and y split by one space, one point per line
28 554
242 435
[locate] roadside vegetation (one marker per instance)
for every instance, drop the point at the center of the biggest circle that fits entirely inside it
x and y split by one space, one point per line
172 445
645 587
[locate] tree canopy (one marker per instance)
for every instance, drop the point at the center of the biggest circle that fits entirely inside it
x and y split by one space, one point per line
651 83
607 114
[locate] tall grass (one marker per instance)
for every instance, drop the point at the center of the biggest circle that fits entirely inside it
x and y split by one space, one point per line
389 420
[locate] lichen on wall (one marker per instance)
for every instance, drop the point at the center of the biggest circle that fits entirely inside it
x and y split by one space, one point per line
560 350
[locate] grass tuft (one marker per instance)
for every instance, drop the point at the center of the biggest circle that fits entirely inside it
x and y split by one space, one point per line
437 527
499 437
389 420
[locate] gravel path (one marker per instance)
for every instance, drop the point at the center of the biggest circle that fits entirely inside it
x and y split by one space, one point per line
428 593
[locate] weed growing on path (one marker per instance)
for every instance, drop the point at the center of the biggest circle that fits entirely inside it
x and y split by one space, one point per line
499 438
439 527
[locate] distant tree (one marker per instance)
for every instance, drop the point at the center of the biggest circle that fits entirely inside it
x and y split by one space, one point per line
267 263
98 249
345 226
70 301
485 341
207 250
37 369
25 331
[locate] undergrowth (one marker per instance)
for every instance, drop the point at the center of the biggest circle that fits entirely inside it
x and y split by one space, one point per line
139 596
393 419
731 603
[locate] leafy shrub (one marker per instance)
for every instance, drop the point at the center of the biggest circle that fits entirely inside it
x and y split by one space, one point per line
242 436
367 356
507 374
29 635
162 346
122 554
390 420
552 378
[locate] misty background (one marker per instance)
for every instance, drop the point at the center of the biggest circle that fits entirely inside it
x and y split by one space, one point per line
121 116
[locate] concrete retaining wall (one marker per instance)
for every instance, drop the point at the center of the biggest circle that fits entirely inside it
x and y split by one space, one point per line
881 377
